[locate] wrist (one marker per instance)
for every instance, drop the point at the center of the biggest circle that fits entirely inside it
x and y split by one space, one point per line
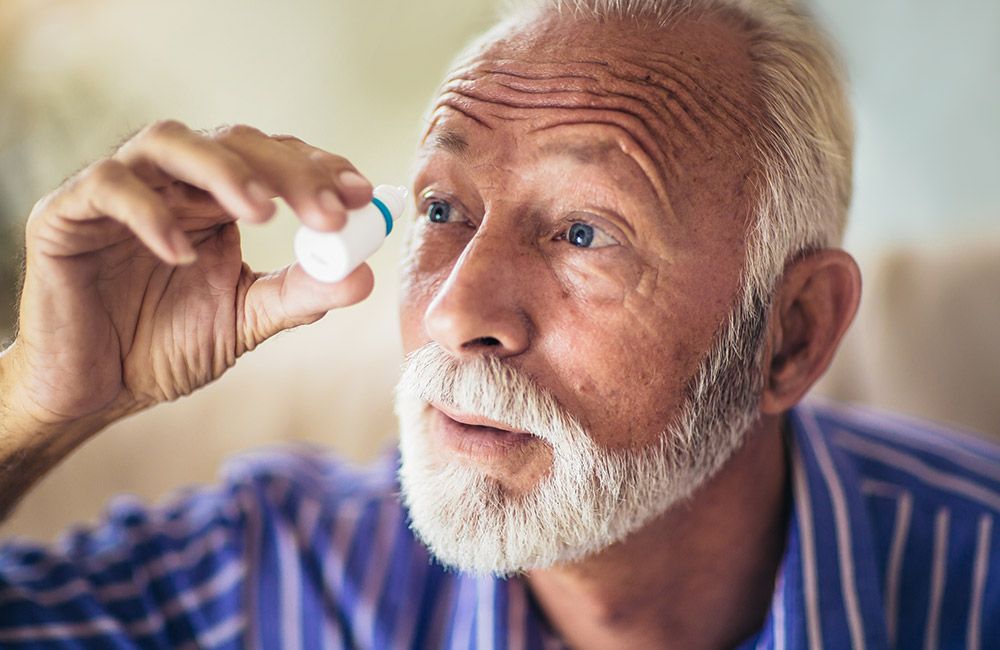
20 419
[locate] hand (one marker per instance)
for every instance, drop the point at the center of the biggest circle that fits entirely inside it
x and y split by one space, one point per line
135 287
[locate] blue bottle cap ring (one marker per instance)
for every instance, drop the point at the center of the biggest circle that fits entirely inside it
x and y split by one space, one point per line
385 214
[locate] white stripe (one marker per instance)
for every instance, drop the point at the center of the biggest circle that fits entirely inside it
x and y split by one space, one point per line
217 634
922 434
159 524
224 631
290 574
912 465
845 547
68 631
979 569
900 534
779 614
187 601
486 601
169 562
517 614
803 509
938 569
462 623
377 563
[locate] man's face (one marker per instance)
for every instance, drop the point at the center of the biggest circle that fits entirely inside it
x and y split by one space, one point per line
583 206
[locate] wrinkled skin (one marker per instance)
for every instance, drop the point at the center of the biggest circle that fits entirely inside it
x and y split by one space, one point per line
541 130
644 135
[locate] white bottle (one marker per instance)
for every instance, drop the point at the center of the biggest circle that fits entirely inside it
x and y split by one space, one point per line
331 256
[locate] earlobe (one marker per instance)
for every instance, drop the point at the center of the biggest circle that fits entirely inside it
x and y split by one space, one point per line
814 304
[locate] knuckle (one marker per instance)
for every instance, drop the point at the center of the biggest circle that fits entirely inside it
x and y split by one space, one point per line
291 140
228 169
43 205
104 172
330 159
162 130
236 132
34 220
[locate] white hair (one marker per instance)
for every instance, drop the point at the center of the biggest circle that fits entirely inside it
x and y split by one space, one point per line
804 144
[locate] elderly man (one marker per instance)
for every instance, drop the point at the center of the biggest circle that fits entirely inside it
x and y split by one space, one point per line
622 280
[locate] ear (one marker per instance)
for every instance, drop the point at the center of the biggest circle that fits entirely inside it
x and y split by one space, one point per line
814 304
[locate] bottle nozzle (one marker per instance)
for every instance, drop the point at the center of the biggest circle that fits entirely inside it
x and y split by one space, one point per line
394 198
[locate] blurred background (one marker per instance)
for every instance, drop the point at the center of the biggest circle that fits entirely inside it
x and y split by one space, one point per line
78 76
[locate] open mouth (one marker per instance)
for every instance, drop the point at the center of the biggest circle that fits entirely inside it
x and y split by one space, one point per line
476 435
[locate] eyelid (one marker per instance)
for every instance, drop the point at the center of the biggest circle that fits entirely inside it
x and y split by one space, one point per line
594 221
431 196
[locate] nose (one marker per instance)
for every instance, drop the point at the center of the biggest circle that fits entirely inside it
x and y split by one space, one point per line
478 310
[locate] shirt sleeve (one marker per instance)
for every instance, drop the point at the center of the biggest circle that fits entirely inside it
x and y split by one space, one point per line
169 576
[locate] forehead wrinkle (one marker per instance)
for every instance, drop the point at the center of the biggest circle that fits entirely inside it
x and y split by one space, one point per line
694 106
645 109
740 118
666 99
476 90
646 164
436 115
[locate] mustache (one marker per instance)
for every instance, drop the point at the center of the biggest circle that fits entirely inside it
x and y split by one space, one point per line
488 387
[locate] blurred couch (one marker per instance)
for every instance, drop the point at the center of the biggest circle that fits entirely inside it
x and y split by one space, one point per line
926 343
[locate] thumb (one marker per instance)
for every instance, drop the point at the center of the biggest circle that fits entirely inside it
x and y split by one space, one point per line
290 297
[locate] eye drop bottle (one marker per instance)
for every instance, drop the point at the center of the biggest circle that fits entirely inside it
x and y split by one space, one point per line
331 256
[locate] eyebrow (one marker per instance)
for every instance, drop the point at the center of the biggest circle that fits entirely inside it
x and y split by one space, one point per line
450 141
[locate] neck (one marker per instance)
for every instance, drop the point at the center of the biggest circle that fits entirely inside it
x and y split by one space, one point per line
699 576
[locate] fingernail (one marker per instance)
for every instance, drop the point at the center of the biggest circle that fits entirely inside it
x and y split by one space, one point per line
182 247
330 202
352 180
258 192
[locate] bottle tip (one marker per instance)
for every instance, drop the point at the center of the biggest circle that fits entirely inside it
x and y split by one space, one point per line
394 198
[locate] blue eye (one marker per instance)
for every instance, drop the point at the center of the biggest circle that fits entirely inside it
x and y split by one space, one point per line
439 212
580 235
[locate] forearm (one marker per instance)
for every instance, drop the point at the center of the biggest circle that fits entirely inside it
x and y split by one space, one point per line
30 446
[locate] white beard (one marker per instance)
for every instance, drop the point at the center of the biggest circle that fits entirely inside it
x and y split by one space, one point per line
592 497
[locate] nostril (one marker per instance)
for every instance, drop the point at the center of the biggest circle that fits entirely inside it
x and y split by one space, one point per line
482 341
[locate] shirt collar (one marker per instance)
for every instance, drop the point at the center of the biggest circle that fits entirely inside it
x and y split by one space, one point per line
827 593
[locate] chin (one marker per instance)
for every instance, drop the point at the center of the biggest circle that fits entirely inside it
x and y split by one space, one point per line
477 511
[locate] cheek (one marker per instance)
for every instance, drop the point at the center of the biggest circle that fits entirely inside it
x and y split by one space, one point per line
625 383
596 279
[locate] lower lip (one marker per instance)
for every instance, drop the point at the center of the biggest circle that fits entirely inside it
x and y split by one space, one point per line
478 441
